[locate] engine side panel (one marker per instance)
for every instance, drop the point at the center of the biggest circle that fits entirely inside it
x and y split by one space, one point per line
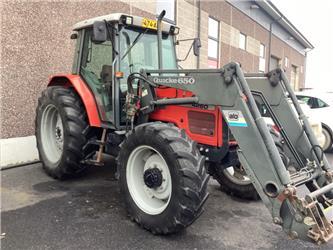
187 117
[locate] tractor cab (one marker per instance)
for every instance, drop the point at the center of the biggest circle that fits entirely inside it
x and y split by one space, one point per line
109 48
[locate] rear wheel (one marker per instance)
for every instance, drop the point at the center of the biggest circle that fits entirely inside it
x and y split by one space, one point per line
162 178
62 131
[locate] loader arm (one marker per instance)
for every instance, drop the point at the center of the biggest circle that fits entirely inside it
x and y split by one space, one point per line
300 202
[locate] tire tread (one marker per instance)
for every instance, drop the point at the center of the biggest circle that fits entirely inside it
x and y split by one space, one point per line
194 179
75 122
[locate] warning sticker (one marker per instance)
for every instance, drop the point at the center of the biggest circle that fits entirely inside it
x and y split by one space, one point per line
235 118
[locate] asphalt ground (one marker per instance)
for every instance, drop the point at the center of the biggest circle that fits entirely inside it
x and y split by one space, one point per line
87 213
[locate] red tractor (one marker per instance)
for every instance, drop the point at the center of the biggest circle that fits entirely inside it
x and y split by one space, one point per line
170 127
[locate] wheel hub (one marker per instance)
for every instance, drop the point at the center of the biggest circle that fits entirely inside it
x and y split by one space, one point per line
153 177
237 175
58 133
148 179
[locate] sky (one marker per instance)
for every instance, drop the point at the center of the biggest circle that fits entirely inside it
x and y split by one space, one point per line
314 19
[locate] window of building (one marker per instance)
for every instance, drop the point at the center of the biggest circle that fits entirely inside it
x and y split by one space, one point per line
242 41
262 61
213 43
286 62
294 78
262 50
170 8
213 28
275 62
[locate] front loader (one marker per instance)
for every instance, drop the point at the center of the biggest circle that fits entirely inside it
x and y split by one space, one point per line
170 127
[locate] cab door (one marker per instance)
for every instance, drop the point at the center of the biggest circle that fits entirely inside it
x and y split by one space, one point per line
96 70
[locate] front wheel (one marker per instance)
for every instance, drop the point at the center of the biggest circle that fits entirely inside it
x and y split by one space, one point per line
162 178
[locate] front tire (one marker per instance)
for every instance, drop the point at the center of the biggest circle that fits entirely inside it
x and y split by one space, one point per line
162 178
62 131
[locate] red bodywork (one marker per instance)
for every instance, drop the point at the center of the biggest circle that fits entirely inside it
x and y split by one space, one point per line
178 115
84 92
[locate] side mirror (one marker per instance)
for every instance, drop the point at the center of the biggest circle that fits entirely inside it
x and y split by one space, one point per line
196 46
73 36
99 32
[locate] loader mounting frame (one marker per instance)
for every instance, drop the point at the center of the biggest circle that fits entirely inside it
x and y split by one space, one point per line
301 215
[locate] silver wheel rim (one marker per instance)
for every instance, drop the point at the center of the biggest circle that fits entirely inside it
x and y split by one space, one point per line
327 136
150 200
237 175
52 133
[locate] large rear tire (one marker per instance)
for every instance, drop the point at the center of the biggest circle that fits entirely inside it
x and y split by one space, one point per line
62 131
162 178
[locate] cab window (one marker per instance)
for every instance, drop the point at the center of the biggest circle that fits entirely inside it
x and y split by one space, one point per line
138 50
96 70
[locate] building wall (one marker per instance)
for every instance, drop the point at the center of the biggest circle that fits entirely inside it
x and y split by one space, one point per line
232 22
35 44
265 20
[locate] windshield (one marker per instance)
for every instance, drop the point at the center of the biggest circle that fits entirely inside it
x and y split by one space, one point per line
138 50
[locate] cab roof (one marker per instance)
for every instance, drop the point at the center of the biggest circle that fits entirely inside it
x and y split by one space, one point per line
116 17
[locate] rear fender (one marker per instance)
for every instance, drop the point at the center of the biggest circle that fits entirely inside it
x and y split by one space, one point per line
83 91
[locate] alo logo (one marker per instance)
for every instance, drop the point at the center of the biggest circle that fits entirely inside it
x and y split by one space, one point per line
233 116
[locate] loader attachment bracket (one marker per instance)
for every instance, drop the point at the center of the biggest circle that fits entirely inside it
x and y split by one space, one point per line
228 73
274 77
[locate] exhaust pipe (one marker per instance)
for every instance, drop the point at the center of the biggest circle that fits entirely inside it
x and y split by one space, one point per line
159 39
